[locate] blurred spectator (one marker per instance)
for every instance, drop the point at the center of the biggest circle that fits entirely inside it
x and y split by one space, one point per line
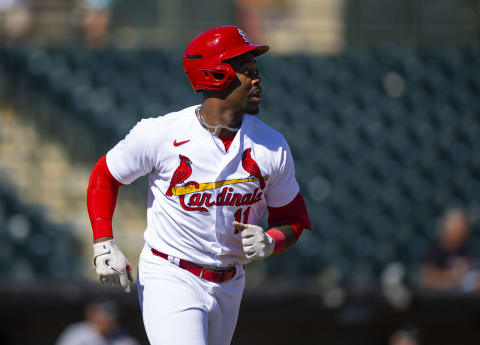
15 19
404 336
249 17
449 266
96 23
99 328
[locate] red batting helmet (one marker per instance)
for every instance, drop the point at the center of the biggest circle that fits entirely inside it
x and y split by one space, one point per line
204 57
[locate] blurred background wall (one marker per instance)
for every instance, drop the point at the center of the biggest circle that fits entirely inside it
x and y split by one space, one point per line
378 99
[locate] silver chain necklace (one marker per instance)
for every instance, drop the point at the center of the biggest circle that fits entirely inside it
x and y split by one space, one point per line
214 127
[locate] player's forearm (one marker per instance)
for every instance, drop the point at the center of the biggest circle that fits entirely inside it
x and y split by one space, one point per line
287 223
101 200
284 237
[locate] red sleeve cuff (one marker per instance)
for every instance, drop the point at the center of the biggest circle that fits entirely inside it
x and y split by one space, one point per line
279 239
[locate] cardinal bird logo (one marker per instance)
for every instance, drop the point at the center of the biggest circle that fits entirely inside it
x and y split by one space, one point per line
249 164
183 172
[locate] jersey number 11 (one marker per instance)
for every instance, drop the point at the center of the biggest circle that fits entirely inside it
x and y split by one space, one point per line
238 216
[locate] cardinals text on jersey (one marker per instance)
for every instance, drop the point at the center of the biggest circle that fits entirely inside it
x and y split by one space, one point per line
200 199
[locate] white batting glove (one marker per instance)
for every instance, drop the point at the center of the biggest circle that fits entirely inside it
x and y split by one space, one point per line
111 265
257 244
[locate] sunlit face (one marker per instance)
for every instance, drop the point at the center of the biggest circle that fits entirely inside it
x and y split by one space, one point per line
456 231
245 90
102 321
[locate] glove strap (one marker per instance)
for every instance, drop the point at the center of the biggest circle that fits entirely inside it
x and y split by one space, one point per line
102 248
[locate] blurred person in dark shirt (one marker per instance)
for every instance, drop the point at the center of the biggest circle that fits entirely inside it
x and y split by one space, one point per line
449 265
100 327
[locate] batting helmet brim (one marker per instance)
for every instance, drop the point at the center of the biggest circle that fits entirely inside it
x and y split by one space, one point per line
255 49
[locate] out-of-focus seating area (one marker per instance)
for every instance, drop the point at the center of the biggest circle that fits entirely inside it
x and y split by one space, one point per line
32 246
379 101
384 140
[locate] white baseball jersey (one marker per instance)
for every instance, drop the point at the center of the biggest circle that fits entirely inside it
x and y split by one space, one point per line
197 188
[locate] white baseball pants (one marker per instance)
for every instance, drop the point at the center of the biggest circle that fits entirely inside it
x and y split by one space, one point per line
179 308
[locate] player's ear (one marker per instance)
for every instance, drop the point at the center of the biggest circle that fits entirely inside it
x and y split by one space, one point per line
222 94
235 83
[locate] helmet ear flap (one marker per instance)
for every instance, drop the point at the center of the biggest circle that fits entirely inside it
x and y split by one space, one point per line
229 75
213 78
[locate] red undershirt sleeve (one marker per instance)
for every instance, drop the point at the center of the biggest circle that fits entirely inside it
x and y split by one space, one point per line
101 199
294 214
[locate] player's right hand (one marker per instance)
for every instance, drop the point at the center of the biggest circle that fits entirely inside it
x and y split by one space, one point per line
111 265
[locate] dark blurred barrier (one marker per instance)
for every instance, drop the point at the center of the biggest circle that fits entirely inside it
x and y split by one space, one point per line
35 313
384 140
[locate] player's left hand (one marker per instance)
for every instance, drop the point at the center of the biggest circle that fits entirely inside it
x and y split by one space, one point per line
257 244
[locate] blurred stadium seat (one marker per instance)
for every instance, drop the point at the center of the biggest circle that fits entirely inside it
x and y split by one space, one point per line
32 246
383 140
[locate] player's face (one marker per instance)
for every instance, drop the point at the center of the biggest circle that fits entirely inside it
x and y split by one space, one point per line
245 95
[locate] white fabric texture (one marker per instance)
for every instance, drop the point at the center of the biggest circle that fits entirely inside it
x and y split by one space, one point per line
179 308
197 225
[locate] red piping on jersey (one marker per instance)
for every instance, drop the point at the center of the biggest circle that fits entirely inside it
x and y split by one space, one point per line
101 199
294 214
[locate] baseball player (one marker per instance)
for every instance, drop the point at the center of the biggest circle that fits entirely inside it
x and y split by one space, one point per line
213 171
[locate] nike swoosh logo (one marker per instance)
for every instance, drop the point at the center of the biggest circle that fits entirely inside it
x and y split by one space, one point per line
178 143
